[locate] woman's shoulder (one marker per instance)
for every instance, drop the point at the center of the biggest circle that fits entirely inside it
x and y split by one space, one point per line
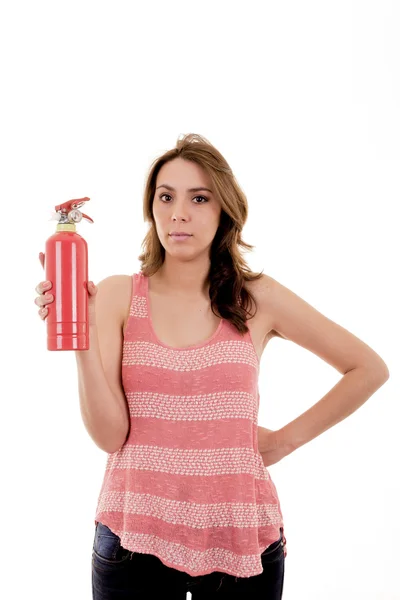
261 290
117 283
117 291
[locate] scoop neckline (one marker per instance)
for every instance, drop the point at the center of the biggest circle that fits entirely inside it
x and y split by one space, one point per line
193 346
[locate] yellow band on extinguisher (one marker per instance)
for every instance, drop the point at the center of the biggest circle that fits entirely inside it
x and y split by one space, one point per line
66 227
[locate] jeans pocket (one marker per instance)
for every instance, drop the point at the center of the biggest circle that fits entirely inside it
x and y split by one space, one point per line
107 547
274 551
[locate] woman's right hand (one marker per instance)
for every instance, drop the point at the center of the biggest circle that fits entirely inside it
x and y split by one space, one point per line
46 297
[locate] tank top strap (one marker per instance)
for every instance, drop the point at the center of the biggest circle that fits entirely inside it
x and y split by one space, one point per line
137 324
138 286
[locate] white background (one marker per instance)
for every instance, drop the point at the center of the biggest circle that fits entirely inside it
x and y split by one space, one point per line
302 99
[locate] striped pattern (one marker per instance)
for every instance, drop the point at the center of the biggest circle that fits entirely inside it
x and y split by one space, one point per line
189 485
224 352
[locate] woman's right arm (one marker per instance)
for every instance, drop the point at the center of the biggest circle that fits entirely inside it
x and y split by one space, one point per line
103 404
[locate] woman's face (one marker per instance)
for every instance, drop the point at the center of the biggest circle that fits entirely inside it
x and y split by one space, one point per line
196 212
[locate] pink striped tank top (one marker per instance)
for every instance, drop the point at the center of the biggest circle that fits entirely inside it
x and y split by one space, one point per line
189 485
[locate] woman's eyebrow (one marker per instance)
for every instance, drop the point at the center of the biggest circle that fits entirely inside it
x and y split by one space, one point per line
195 189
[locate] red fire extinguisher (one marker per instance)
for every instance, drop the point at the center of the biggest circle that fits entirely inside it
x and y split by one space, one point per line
66 266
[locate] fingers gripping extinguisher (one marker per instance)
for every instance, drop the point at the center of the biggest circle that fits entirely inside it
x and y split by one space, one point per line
66 266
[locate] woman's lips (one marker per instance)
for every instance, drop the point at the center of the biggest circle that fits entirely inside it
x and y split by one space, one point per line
179 237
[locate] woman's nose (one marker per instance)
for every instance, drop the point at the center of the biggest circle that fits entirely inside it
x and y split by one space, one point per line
179 214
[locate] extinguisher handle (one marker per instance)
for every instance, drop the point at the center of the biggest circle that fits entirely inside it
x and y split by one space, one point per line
71 204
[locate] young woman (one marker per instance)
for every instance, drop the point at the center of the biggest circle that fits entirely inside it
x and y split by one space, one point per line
169 389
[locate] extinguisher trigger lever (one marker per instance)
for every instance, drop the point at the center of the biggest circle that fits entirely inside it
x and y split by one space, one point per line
87 218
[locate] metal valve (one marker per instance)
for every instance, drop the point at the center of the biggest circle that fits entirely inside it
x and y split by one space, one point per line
75 215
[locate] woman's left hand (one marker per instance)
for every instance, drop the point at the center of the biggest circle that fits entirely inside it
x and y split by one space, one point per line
272 452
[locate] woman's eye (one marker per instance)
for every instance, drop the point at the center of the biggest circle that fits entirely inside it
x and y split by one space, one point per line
203 197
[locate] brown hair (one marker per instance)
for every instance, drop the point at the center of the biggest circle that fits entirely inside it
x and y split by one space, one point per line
228 270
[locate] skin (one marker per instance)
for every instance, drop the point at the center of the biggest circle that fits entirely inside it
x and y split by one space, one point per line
186 266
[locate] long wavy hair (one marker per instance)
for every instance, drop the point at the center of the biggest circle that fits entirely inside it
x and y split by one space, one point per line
228 270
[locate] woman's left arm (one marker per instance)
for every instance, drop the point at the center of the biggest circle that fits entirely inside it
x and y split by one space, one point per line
351 391
363 370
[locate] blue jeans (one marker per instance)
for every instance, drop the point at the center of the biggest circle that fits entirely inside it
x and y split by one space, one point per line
119 574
